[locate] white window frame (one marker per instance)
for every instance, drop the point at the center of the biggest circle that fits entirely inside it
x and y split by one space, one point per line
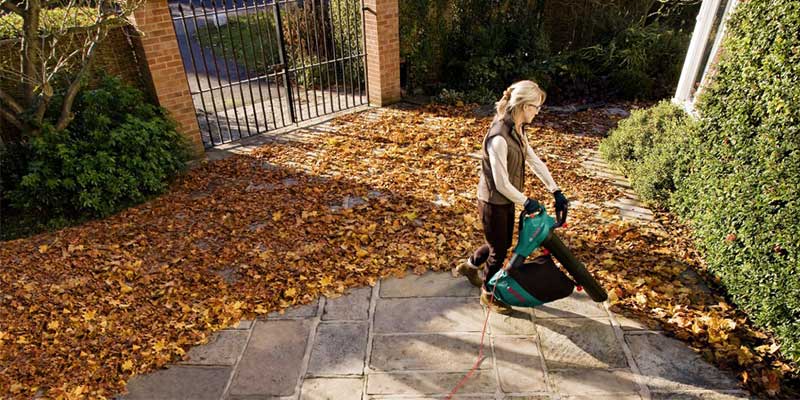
697 47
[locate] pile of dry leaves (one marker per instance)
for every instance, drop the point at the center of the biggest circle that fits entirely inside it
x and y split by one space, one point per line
85 308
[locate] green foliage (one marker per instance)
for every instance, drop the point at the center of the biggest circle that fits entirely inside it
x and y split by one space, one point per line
472 45
347 32
743 193
647 147
738 180
55 19
635 58
119 150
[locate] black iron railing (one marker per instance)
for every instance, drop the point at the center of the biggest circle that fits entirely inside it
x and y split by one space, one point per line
258 65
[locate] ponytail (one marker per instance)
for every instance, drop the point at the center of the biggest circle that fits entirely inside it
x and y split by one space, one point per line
521 92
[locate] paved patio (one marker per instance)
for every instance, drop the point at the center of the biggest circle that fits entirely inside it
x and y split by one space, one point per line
414 338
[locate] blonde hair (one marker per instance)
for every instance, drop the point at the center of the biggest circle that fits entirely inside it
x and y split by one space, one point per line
519 94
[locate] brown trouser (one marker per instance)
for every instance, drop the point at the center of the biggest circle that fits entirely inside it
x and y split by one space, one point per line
498 229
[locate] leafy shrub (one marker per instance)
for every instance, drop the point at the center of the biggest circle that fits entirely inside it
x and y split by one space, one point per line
13 161
622 49
743 192
647 147
736 174
119 150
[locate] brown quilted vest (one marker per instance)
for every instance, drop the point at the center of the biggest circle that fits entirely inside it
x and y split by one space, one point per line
515 162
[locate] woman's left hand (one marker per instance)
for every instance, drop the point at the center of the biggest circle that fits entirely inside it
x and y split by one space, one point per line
562 204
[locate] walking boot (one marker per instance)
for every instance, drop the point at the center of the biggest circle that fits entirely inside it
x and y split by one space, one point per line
466 268
493 304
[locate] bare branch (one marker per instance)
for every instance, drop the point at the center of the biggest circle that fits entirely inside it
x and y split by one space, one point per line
66 108
10 117
10 102
9 6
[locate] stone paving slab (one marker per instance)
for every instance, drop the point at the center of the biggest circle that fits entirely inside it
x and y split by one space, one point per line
388 348
271 363
519 365
632 325
332 389
304 311
442 352
223 348
244 325
604 397
435 314
580 343
432 284
519 322
588 382
437 397
669 365
701 396
577 305
339 349
440 383
180 383
353 306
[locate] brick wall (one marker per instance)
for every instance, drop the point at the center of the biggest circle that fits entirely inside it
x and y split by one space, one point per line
160 53
382 39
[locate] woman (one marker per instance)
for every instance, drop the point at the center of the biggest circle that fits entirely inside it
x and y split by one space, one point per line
505 154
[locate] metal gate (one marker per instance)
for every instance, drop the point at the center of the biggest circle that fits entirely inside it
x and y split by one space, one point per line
258 65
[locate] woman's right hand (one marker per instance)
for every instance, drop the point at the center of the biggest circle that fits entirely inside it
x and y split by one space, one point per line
532 206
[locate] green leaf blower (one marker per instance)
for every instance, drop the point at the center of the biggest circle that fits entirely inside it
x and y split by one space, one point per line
533 284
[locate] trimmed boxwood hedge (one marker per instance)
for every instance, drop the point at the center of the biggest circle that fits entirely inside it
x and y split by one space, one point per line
649 147
739 181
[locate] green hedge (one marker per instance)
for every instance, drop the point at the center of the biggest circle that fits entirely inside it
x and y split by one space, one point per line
54 19
740 187
477 48
649 147
118 151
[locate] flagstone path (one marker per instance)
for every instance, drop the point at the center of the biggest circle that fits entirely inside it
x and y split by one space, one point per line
414 338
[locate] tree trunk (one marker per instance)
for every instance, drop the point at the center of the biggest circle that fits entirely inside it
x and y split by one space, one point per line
31 52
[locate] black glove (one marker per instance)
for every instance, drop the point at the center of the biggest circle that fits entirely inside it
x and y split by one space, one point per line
532 206
562 204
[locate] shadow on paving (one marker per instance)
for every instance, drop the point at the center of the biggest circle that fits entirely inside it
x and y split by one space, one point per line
266 181
244 229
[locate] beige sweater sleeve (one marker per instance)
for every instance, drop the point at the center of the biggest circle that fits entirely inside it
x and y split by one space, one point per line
539 167
498 154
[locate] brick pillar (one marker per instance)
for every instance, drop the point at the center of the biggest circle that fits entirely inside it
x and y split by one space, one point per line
159 46
382 38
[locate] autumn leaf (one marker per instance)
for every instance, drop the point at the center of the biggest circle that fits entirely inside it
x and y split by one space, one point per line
326 281
88 316
613 298
210 252
744 355
410 216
